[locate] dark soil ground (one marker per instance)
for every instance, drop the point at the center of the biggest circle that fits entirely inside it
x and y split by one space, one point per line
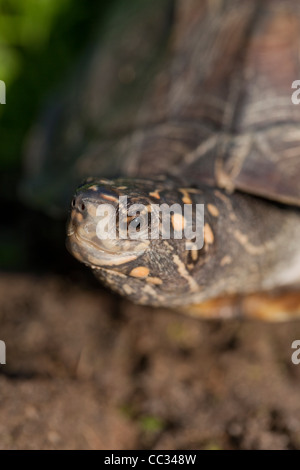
86 370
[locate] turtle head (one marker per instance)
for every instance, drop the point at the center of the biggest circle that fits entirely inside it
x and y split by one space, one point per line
93 228
136 239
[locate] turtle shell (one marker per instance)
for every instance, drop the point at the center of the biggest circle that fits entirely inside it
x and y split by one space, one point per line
201 91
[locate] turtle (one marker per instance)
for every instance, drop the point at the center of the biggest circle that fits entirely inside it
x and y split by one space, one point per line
187 103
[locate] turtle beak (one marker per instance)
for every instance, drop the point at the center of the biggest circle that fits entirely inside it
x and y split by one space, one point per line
83 211
82 224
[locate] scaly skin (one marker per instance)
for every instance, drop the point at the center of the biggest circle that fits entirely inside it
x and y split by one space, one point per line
240 255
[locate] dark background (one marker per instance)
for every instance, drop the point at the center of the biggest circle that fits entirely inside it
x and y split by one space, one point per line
85 369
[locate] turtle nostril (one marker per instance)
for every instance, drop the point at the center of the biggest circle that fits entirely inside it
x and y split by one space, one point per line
78 204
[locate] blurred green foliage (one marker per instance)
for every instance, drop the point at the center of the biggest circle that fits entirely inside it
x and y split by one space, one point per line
151 424
39 42
25 24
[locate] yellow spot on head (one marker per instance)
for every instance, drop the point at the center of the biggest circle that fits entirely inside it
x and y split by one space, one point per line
186 197
94 188
178 222
109 198
155 194
208 235
140 271
194 254
213 210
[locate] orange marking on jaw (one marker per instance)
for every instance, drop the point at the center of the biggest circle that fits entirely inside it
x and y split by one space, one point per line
213 210
178 222
154 280
140 271
155 194
122 187
208 235
94 188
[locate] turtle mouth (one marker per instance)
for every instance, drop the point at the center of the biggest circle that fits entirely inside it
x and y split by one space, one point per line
88 252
